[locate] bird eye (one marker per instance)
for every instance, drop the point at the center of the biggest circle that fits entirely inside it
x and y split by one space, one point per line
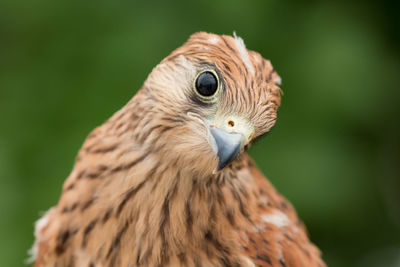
206 84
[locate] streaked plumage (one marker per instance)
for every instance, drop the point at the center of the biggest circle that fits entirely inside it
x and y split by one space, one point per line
145 189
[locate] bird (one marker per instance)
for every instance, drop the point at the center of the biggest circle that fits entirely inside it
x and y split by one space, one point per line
167 180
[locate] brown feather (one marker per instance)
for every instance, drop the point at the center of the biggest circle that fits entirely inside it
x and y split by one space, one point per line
143 191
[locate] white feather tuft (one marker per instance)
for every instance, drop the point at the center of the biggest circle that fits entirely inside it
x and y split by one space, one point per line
213 40
243 52
39 225
277 218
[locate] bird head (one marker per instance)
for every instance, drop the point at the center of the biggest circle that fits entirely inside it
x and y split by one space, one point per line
216 97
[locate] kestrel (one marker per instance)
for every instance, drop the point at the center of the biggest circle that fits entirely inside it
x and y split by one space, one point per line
167 180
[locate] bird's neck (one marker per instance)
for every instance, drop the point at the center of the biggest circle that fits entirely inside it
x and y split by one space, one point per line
175 215
162 213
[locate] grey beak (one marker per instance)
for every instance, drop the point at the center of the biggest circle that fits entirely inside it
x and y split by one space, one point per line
226 145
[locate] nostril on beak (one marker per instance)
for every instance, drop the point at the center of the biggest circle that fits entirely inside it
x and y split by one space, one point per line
231 123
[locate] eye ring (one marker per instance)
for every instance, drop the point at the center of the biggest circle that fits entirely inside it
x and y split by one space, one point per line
206 93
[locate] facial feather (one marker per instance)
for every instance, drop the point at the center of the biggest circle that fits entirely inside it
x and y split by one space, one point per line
248 93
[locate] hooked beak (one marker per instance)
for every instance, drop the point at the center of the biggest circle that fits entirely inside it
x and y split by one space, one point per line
226 145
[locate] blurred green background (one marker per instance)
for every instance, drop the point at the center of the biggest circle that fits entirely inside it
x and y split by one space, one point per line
66 66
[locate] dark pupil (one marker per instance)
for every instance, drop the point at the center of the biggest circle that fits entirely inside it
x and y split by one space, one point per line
206 84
